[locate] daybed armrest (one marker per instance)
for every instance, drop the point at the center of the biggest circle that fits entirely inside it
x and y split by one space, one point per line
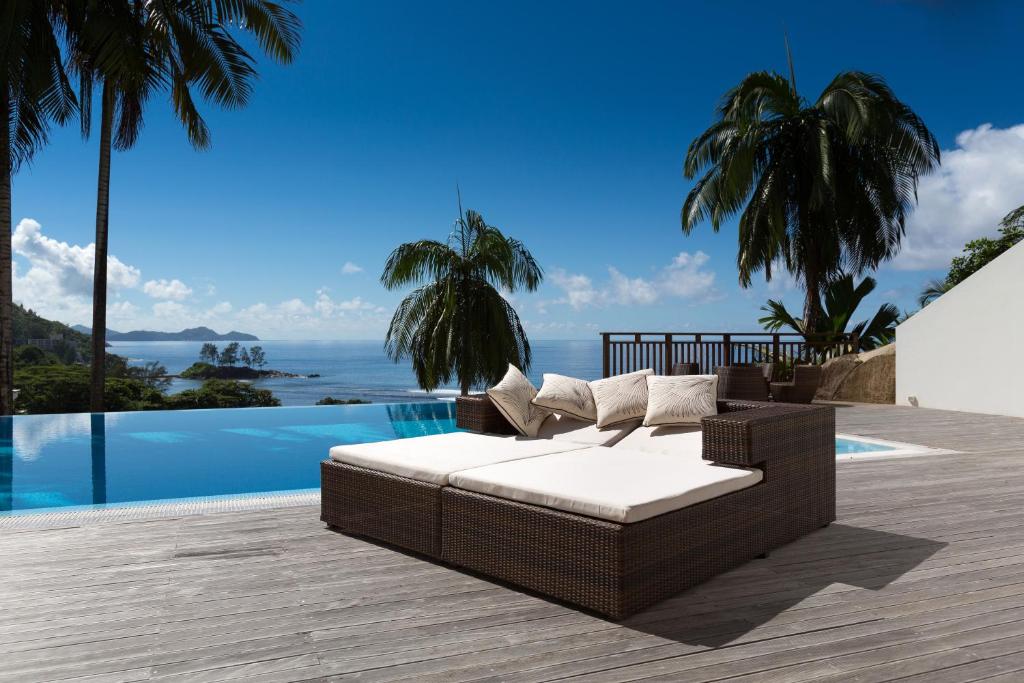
752 436
476 413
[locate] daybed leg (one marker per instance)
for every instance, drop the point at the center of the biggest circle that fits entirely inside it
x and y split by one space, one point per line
762 556
826 525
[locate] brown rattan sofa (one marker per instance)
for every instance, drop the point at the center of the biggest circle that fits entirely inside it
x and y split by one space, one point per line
612 568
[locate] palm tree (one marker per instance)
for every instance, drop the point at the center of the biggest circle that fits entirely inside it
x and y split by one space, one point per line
932 291
136 48
34 91
457 324
842 297
819 187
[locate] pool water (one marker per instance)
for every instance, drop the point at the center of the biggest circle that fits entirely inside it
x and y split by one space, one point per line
56 461
51 461
855 446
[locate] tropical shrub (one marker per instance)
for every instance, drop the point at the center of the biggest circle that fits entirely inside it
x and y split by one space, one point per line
457 324
331 401
842 297
221 393
65 389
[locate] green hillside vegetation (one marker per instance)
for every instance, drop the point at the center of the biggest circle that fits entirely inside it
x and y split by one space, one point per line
56 379
65 389
68 344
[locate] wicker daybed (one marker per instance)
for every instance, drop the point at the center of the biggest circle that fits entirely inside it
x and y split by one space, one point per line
615 568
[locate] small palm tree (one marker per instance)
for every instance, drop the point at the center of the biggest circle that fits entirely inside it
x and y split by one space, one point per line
819 186
138 48
456 323
932 291
34 91
842 297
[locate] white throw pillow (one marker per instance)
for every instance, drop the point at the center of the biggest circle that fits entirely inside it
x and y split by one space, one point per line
680 399
567 396
513 397
620 398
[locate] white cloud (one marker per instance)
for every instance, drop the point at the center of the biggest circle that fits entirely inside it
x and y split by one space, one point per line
220 309
173 290
351 268
294 307
979 182
172 315
58 281
579 289
122 310
627 291
684 278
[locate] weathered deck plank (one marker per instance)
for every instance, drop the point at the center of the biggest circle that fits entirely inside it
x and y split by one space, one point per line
922 578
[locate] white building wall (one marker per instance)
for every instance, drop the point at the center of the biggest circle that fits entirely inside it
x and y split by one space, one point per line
965 351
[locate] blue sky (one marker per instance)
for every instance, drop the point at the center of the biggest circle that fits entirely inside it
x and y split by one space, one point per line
565 124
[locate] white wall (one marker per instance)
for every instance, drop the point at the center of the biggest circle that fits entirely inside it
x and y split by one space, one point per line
965 351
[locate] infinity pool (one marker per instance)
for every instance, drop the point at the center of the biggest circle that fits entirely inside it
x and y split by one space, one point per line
54 461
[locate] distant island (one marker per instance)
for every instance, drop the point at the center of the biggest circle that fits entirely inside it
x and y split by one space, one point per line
203 334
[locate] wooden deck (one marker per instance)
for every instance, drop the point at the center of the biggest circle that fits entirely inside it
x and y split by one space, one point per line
922 579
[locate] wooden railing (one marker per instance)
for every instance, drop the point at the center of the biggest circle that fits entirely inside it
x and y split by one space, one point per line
628 351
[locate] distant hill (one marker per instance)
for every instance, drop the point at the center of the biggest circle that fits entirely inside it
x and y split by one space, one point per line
67 342
203 334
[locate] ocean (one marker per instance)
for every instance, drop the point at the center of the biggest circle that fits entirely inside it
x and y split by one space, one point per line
355 369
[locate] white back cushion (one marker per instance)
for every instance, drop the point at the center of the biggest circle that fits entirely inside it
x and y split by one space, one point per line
621 398
513 397
567 396
680 399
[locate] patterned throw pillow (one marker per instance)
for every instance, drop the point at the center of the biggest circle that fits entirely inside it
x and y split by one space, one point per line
680 399
620 398
567 396
513 397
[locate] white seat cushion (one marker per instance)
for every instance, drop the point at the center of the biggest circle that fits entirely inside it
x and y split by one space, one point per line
609 483
681 440
579 431
433 458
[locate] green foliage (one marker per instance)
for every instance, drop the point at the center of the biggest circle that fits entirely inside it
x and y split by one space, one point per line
819 186
330 401
842 297
258 357
152 374
244 358
33 355
457 324
932 291
229 356
978 253
199 371
209 354
220 393
28 325
65 389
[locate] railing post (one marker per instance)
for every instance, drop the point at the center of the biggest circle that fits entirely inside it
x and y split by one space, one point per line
726 349
637 358
699 353
775 349
668 355
605 354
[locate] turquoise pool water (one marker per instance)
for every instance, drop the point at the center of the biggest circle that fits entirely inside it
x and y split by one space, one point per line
55 461
855 446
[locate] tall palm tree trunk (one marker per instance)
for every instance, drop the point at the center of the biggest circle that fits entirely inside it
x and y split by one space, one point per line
6 267
812 300
99 287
